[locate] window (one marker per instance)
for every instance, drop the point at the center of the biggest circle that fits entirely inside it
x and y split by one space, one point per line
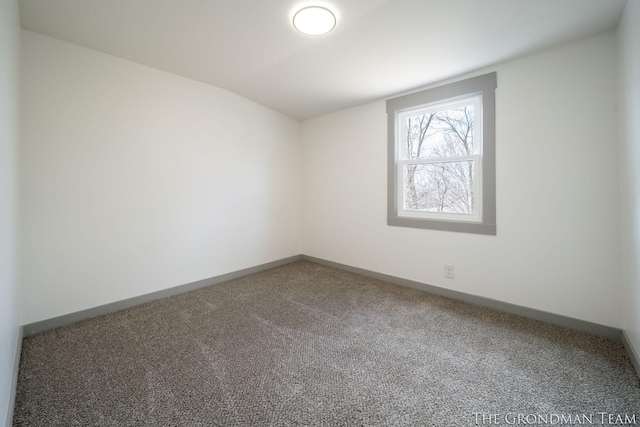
442 157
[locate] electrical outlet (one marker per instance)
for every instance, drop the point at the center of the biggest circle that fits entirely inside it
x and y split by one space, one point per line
448 271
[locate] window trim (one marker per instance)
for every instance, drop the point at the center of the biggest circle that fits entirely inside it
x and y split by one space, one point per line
483 85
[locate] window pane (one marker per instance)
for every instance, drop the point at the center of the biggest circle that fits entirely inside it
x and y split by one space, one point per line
444 133
440 187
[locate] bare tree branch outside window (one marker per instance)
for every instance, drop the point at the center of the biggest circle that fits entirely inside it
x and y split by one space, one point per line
445 186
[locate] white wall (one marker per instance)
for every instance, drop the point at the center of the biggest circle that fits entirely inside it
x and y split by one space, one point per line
9 136
557 247
629 48
134 180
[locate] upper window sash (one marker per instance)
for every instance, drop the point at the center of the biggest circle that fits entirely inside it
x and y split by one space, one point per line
474 100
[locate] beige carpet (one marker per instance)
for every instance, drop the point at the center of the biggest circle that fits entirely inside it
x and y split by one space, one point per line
306 344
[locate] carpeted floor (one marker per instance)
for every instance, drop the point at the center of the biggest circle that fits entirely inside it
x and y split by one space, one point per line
305 344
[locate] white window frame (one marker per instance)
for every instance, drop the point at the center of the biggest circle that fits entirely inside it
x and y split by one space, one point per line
481 90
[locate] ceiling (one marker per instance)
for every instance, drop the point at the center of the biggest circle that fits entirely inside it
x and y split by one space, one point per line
379 48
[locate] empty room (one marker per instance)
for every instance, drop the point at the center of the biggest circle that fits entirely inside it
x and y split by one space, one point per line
331 213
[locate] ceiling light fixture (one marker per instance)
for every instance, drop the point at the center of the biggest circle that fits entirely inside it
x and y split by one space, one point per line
314 20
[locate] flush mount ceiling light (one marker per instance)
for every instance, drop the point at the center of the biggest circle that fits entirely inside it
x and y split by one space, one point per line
314 20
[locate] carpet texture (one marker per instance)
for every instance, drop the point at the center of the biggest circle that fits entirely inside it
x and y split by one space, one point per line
306 344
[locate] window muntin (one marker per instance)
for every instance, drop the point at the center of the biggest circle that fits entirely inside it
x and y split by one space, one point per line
442 157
